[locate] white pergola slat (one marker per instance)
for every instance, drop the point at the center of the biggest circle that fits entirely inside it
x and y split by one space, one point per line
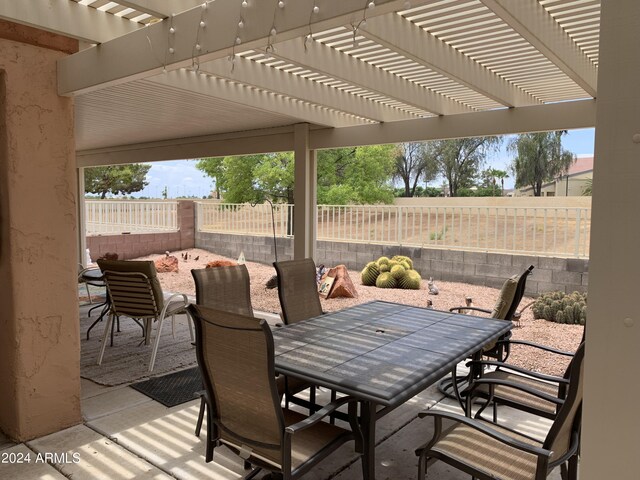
402 36
300 111
329 61
161 9
533 23
67 18
275 80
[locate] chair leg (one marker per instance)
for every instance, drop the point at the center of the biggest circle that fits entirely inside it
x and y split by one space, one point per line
312 400
189 321
154 352
107 329
203 406
86 285
572 474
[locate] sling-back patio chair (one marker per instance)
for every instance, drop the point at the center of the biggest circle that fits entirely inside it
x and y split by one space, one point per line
229 289
491 452
134 291
299 300
505 308
530 391
236 355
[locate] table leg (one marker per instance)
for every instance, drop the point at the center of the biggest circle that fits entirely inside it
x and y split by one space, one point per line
368 425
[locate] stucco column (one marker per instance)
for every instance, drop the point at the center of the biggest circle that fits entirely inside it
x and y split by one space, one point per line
304 194
39 322
611 422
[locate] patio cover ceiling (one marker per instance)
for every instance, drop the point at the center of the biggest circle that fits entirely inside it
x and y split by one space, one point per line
159 84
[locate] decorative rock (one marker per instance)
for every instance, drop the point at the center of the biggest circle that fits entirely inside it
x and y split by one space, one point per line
109 256
167 264
221 263
342 285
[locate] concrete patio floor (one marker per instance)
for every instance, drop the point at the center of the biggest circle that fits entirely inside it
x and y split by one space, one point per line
127 435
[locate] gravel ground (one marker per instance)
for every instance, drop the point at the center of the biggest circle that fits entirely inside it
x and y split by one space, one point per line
564 337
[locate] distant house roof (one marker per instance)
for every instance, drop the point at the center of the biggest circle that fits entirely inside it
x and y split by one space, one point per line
582 164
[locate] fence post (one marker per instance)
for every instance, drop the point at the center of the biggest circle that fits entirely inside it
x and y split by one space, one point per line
576 251
399 224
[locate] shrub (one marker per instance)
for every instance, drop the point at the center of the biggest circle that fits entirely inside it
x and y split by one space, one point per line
560 307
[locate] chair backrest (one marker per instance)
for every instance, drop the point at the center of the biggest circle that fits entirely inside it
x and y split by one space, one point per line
510 296
298 290
224 288
133 286
236 356
567 423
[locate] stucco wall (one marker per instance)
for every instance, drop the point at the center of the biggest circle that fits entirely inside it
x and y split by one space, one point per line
39 343
479 268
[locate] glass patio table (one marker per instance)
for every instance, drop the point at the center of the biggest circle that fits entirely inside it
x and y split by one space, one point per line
381 353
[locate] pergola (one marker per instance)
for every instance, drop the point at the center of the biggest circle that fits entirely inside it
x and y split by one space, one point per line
174 79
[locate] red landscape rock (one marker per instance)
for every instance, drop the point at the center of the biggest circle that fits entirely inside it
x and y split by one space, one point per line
221 263
342 285
166 264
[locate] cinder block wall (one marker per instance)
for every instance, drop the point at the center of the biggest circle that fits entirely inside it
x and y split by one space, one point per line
479 268
134 245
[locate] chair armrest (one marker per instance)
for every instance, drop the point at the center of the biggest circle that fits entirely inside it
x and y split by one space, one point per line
319 415
523 371
537 345
516 386
475 309
171 299
486 430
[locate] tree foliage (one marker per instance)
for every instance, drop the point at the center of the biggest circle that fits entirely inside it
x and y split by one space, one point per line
539 158
490 177
412 164
346 175
459 160
116 179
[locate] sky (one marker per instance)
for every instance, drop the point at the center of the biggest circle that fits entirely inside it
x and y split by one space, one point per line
183 179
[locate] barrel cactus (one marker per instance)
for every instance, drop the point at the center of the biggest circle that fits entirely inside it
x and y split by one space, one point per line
560 307
386 280
397 271
369 274
410 280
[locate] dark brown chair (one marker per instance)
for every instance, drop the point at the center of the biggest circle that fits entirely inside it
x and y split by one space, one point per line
135 292
299 300
488 451
236 355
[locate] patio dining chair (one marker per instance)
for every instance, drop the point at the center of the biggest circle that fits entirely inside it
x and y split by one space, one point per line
505 308
299 300
236 355
488 451
516 387
134 291
229 289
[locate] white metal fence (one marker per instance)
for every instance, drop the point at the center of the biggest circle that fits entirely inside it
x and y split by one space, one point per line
550 231
132 216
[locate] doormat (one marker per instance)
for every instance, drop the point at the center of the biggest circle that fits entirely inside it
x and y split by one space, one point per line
174 388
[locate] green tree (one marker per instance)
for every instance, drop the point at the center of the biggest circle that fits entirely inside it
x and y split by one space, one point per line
412 164
539 158
116 179
491 175
459 160
587 190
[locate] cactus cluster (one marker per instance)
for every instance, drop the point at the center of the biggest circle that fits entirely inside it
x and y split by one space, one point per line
396 272
560 307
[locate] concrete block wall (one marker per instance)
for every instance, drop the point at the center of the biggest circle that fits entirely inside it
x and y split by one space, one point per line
478 268
135 245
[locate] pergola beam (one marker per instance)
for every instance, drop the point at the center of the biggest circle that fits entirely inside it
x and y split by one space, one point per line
203 84
146 52
536 26
329 61
538 118
67 18
558 116
268 78
400 35
161 9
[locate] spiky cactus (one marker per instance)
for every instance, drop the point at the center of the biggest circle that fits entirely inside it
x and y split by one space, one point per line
386 280
561 308
410 280
397 271
369 274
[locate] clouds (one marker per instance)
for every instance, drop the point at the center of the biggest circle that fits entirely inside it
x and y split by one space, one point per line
180 177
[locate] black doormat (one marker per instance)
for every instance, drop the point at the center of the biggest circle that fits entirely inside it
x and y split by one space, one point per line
174 388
